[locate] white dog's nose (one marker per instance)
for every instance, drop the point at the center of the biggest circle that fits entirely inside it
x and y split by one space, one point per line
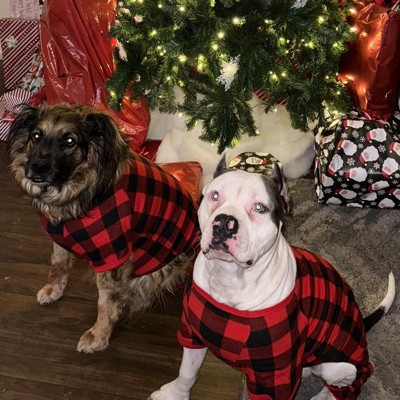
224 227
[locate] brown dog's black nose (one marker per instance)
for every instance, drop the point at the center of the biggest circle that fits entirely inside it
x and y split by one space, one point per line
38 170
224 227
40 166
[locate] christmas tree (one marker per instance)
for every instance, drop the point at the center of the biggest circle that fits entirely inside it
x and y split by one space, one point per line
219 52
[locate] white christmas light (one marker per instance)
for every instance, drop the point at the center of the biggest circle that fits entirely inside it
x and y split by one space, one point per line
138 18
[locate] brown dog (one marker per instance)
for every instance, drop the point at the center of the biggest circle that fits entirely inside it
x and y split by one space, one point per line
130 220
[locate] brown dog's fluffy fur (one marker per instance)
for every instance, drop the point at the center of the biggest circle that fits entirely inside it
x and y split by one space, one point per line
64 157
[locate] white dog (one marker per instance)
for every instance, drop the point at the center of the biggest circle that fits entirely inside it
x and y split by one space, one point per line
271 310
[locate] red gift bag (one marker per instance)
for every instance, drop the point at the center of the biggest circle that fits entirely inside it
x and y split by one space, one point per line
371 66
78 60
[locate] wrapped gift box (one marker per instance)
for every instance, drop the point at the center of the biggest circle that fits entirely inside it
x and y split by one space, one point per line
19 42
357 163
30 9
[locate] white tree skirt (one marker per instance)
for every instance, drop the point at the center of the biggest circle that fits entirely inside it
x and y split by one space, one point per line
293 148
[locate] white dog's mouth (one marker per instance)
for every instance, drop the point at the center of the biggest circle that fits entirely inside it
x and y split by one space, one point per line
221 252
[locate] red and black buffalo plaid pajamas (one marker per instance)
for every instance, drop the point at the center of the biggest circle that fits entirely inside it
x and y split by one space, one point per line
147 213
319 322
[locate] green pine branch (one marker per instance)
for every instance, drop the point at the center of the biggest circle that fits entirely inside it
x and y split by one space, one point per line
291 53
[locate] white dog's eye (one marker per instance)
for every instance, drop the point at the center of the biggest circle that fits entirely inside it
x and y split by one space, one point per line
260 208
215 196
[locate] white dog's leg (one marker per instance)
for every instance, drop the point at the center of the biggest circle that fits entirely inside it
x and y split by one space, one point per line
61 261
338 374
324 394
306 372
179 389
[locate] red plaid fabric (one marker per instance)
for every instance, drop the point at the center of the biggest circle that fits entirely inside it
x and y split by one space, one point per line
147 213
320 322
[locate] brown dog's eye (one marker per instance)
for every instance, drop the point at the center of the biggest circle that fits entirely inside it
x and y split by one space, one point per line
36 136
69 141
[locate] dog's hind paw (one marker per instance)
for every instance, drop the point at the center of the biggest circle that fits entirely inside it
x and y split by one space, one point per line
90 342
49 293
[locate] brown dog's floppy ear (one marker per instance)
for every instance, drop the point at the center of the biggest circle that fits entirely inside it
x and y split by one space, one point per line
21 128
24 122
107 145
279 180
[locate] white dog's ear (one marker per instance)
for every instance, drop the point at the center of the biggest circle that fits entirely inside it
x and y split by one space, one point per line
221 167
279 180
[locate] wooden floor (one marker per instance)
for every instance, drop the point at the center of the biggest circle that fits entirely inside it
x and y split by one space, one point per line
38 357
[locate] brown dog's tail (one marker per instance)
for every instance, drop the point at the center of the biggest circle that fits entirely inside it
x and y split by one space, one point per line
383 308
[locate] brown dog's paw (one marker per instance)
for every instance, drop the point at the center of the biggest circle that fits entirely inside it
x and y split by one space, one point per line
90 342
49 293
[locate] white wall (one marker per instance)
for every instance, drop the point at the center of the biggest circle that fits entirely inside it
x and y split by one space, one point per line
4 12
4 8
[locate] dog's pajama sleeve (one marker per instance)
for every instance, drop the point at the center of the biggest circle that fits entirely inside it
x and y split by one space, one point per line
186 337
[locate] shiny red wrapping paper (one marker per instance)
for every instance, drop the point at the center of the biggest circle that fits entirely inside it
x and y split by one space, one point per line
188 173
372 64
149 149
78 60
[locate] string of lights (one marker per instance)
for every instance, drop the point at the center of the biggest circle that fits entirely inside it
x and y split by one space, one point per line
220 52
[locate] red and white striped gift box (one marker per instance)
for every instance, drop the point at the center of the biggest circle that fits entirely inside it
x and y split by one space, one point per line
13 102
19 41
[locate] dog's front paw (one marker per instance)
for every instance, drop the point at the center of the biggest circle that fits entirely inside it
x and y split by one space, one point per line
170 391
324 394
49 293
91 341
